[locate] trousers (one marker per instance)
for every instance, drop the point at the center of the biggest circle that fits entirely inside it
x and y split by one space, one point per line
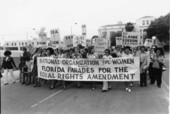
6 75
106 85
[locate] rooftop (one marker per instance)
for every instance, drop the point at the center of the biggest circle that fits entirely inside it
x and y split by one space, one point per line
113 25
146 16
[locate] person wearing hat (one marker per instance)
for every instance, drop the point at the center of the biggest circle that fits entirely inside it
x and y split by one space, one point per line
8 65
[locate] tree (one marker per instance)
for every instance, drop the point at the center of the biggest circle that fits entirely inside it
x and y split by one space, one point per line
113 37
159 28
129 27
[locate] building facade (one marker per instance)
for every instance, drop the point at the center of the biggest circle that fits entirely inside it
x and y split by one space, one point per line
140 25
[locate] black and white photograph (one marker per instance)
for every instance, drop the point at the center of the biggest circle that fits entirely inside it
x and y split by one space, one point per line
84 56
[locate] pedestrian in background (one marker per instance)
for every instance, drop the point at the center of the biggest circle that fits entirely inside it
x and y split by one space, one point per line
157 67
143 57
8 65
151 56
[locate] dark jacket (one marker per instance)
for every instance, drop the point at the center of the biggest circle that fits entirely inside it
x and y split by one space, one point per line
9 64
26 56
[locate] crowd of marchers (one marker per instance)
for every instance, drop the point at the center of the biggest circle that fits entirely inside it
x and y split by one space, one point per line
151 64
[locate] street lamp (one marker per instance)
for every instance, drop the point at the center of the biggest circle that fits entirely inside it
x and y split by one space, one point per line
71 28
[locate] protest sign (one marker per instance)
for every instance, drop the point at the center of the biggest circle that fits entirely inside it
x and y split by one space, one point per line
42 40
131 39
100 45
83 27
148 42
116 69
118 41
55 37
79 40
68 41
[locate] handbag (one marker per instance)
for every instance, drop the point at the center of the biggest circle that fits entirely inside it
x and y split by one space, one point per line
163 67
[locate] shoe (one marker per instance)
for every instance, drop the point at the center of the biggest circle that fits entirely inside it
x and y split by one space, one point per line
159 86
78 86
64 87
27 84
129 90
14 82
93 88
35 85
110 88
23 83
51 87
38 85
104 90
6 83
131 85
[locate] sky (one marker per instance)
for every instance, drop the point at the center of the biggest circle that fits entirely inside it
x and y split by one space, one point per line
19 17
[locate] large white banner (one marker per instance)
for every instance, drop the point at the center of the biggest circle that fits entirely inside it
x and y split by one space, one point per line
79 40
100 45
116 69
55 37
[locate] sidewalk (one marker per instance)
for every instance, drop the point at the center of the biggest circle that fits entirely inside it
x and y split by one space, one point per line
16 75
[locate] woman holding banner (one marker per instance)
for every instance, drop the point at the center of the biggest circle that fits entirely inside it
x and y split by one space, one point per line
127 54
50 53
35 67
77 55
106 85
60 55
92 55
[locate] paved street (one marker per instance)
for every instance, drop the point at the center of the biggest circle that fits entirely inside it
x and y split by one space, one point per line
21 99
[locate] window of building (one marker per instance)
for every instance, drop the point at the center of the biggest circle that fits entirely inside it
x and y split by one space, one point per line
147 22
143 23
7 44
12 44
22 43
25 43
104 34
